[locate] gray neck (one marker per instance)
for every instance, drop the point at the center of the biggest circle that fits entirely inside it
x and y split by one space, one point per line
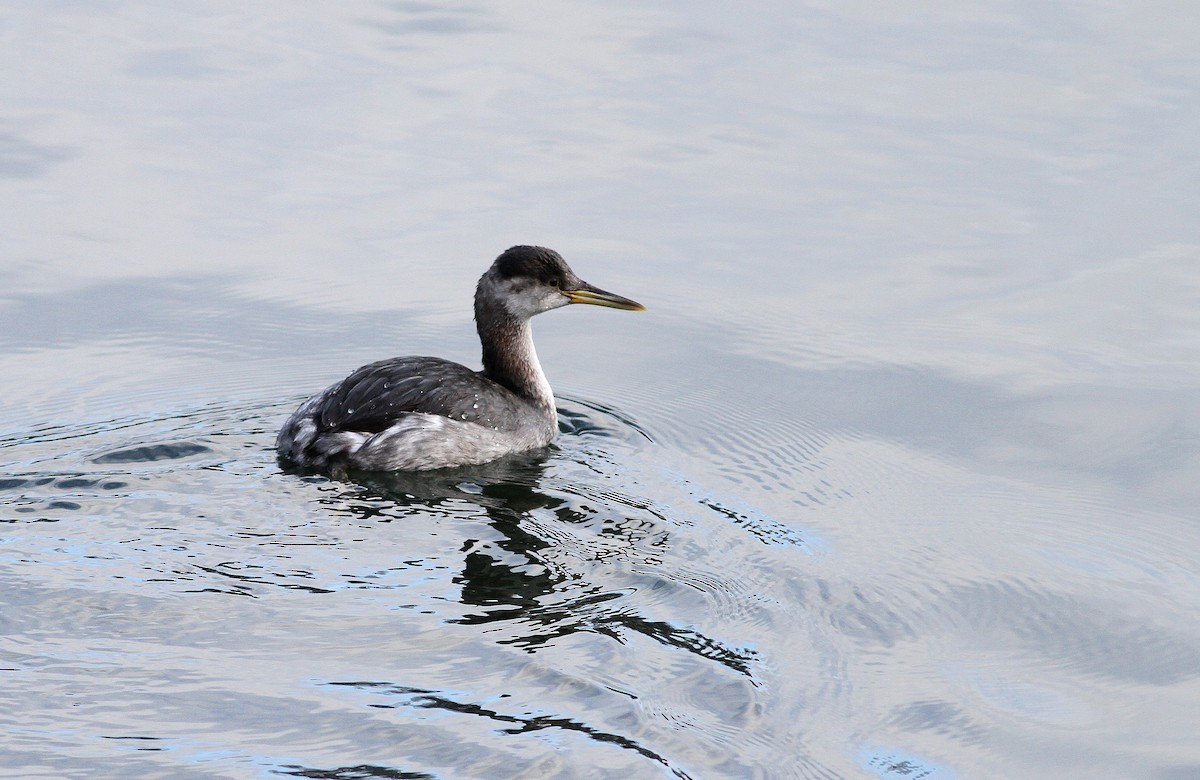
509 358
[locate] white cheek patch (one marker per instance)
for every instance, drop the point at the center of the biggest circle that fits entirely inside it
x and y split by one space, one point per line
523 298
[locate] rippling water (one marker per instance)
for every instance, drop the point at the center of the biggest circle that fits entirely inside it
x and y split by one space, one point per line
896 478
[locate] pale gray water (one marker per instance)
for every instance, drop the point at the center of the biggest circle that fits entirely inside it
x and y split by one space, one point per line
897 478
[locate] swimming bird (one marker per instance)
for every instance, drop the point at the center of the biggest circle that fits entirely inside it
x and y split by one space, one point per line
418 413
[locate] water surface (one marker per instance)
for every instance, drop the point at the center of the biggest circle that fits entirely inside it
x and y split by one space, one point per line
896 478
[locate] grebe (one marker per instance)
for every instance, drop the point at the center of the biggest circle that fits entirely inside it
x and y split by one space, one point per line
418 413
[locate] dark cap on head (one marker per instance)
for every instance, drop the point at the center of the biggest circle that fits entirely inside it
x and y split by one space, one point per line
536 262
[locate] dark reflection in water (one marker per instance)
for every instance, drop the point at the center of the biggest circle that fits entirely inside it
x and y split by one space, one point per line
171 451
413 22
509 578
582 423
21 159
402 697
360 772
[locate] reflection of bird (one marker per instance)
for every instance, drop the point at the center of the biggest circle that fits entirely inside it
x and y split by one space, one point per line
416 413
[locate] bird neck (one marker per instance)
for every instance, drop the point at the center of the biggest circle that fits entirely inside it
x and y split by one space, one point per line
509 358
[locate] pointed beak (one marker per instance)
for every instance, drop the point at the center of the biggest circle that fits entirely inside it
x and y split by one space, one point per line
586 293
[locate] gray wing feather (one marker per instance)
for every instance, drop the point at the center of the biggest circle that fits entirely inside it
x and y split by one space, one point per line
377 395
